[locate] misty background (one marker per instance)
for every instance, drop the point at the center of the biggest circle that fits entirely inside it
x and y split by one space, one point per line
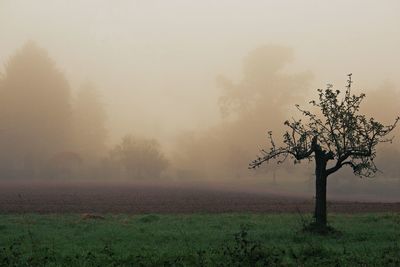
185 91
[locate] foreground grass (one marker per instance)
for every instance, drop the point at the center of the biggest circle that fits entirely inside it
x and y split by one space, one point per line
197 240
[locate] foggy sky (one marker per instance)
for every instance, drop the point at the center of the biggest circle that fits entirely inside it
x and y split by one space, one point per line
156 62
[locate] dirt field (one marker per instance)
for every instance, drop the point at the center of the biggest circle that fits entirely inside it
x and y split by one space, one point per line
45 197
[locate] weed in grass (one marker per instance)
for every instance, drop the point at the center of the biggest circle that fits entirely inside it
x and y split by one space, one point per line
245 252
9 255
149 218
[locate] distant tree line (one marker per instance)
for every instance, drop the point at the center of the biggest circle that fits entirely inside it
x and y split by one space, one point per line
47 132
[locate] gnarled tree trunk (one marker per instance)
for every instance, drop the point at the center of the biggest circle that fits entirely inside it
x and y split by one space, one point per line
320 190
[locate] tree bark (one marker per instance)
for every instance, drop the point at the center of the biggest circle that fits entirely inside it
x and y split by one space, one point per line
320 189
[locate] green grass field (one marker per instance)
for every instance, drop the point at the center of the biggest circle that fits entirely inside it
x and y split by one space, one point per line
197 240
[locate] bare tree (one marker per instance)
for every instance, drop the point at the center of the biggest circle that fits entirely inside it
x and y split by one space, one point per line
339 134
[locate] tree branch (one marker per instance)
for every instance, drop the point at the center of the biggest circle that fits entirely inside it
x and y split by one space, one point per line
276 152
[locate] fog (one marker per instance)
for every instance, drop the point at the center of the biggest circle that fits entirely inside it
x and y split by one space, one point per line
192 85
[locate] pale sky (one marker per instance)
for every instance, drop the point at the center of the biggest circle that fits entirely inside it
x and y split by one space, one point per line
155 62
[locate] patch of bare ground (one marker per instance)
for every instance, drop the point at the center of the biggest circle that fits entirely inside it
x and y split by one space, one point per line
94 198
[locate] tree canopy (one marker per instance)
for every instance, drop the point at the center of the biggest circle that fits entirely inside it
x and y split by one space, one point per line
139 158
35 108
264 88
341 134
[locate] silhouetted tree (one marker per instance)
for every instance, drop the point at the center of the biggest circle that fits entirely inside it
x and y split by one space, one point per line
35 110
339 133
140 158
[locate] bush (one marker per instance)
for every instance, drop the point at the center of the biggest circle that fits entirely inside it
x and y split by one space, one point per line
138 158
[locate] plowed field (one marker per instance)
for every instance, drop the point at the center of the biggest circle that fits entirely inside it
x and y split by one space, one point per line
43 197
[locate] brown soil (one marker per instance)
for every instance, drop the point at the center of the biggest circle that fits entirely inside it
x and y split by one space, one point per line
136 198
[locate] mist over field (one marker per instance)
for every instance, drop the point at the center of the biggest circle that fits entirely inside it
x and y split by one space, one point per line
184 92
